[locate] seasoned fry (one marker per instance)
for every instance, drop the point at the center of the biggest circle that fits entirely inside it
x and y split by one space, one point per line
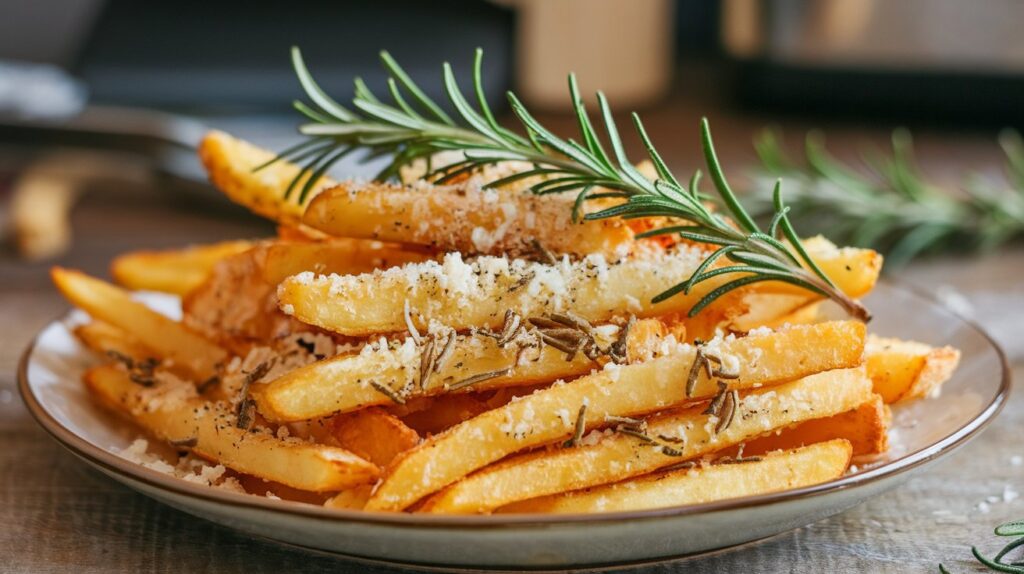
374 435
167 338
105 339
772 310
237 305
804 466
281 259
548 415
341 384
904 370
464 218
175 271
866 427
229 162
263 487
617 455
171 411
855 271
478 293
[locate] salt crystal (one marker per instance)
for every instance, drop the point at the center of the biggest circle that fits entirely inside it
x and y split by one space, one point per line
1009 494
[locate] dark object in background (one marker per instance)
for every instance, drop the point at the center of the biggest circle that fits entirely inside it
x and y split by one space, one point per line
234 56
935 60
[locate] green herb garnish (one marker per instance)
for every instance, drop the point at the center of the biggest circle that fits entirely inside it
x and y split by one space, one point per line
413 127
891 207
998 562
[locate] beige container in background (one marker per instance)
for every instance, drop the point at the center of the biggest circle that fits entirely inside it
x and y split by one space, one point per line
622 47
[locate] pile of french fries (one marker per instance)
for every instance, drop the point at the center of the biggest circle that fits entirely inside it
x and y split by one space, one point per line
456 349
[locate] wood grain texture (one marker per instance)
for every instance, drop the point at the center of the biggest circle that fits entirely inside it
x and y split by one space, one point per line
59 515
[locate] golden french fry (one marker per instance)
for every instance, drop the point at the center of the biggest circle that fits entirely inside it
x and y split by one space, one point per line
904 370
478 293
809 313
281 259
351 499
263 487
175 271
853 270
617 456
287 232
374 435
392 368
773 310
167 338
465 219
237 305
172 411
549 415
866 427
104 338
230 164
777 471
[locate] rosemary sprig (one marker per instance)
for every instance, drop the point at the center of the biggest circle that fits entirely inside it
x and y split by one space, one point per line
414 127
891 207
997 562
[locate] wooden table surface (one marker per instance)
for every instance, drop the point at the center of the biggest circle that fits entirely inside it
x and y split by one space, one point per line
58 515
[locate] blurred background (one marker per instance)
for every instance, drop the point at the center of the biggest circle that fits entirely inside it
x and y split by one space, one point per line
103 101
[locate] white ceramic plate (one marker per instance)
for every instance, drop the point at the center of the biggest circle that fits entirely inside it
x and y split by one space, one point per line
924 431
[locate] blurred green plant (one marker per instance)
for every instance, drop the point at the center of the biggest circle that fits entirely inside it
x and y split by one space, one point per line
891 206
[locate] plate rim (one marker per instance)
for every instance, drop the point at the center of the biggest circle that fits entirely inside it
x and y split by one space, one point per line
154 479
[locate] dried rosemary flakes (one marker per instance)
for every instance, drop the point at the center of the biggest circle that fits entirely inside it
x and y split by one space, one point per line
387 392
619 350
543 254
577 435
245 411
705 361
728 411
479 378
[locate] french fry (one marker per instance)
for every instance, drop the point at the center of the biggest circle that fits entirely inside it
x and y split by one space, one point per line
281 259
777 471
173 412
855 271
351 499
904 370
374 435
343 383
104 338
237 305
689 433
263 487
167 338
464 218
866 427
549 415
478 293
809 313
230 162
286 232
770 310
175 271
